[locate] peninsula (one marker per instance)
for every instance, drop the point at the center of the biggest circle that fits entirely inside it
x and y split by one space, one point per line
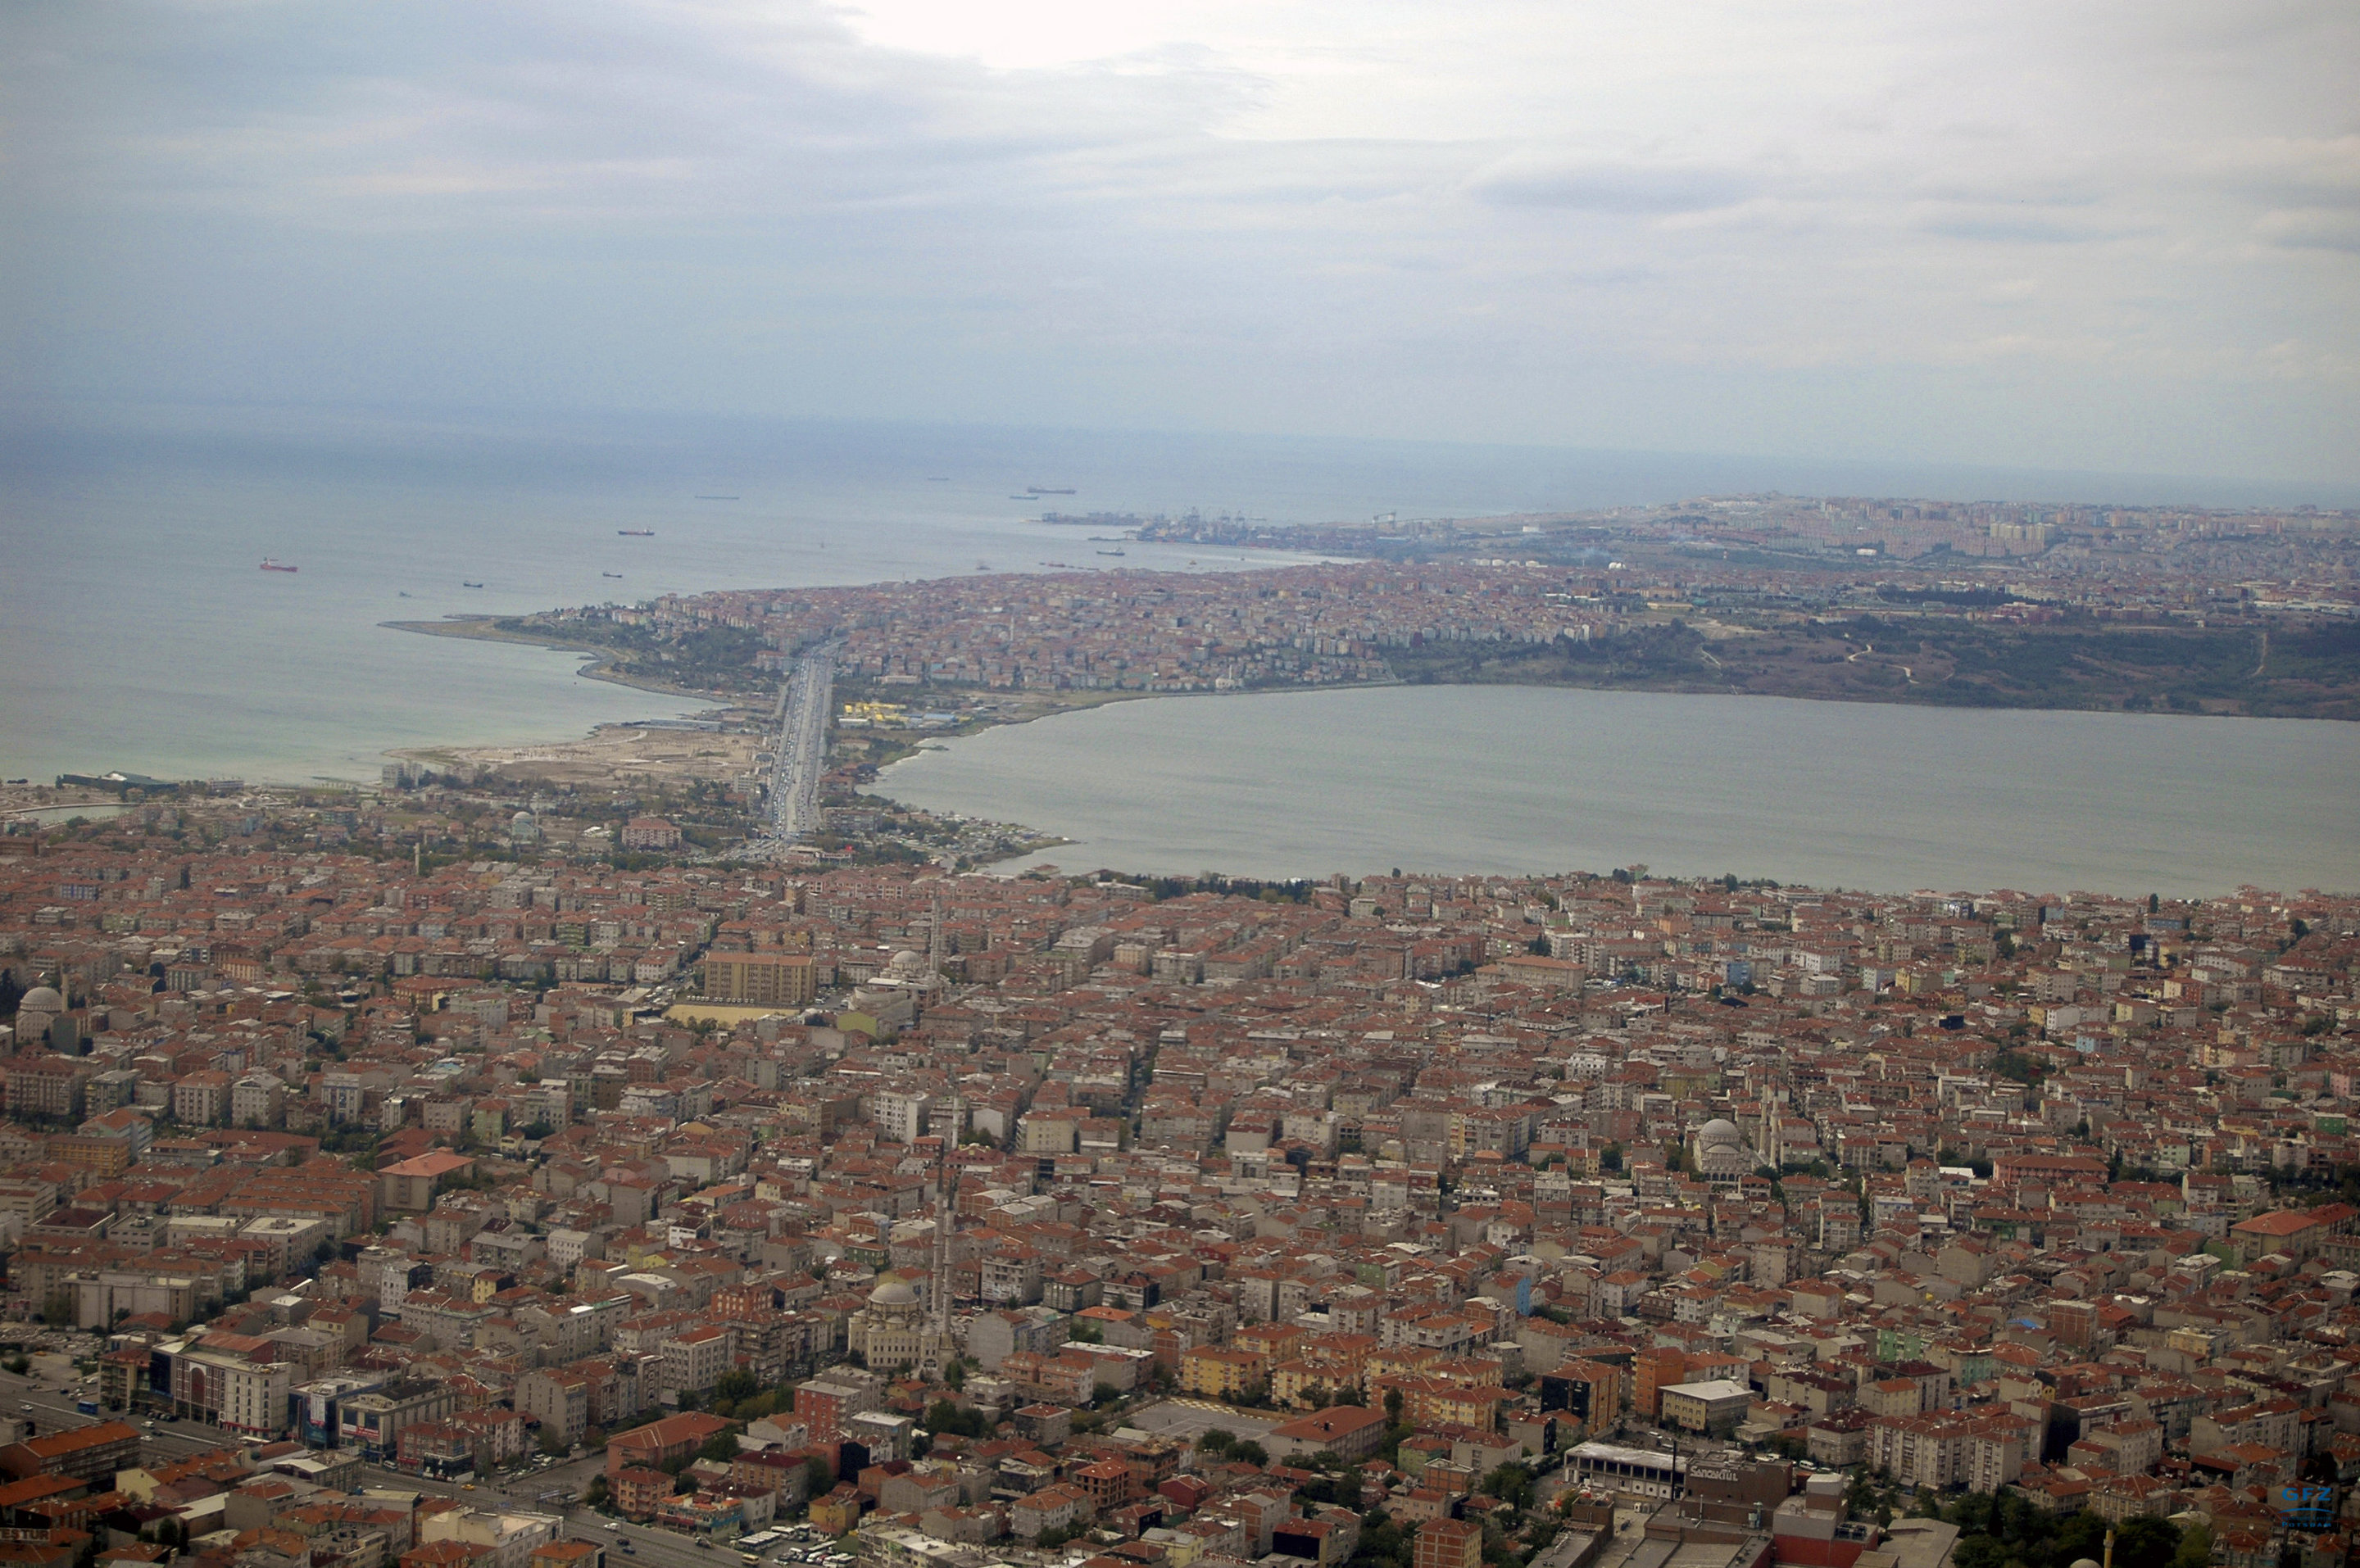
1943 604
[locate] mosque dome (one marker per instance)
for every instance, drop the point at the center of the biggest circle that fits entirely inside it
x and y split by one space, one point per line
908 963
1721 1129
41 999
893 1293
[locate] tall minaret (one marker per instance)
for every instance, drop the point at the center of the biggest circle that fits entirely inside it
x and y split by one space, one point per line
937 1353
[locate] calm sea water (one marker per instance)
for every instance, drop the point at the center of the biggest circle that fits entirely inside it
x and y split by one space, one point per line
1506 779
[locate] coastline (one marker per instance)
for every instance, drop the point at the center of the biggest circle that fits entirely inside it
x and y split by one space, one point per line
598 663
1024 706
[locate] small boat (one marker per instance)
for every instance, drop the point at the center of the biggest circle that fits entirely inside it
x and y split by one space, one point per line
464 584
1049 490
983 566
401 593
645 533
610 574
270 565
716 497
1021 497
1109 552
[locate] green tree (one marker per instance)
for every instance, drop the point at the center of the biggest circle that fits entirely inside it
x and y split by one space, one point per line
1512 1484
1252 1454
2145 1542
943 1416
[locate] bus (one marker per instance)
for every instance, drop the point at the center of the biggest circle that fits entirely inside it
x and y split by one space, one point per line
761 1540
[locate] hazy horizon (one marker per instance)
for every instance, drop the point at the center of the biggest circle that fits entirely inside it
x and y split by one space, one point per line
2111 239
65 434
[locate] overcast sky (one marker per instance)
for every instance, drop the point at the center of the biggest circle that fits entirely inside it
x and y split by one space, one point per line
2120 236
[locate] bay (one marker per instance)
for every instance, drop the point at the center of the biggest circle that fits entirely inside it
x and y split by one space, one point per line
1504 779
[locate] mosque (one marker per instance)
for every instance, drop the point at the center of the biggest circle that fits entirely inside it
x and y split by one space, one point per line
1717 1153
894 1329
37 1012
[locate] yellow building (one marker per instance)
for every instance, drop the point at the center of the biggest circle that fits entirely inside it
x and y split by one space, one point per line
858 714
1291 1382
762 979
1214 1372
1401 1361
1432 1401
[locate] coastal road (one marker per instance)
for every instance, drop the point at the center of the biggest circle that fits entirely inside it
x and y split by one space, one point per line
801 754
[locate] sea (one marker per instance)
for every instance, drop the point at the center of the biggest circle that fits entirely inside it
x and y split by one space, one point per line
138 634
1494 779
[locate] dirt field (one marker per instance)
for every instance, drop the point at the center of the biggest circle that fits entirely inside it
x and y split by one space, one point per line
623 755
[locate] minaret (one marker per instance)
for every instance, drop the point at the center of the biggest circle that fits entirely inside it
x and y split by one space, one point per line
937 1351
935 946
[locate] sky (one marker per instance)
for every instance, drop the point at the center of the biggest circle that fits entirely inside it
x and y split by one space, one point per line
2112 236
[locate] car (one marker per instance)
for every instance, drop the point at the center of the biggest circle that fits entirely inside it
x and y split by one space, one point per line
27 1406
628 1550
703 1545
612 1524
466 1485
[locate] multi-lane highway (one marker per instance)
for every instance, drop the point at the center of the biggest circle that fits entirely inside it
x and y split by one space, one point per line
801 755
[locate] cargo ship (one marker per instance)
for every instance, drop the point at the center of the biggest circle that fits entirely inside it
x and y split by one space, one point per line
270 565
637 533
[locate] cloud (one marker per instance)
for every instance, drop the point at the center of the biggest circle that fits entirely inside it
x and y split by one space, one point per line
2311 228
1598 186
1513 217
2011 228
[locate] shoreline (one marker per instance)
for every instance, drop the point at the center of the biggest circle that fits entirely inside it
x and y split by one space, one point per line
600 664
597 664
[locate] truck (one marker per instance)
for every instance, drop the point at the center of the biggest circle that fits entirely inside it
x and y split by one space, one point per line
87 1406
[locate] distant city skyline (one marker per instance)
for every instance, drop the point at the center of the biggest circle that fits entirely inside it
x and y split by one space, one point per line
2108 238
